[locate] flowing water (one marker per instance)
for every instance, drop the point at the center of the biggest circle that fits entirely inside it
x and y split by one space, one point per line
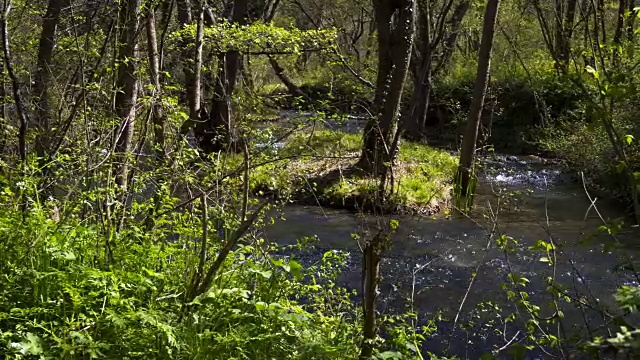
433 259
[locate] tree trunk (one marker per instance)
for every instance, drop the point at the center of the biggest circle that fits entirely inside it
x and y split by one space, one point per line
429 46
371 257
158 117
293 89
16 91
451 40
395 39
126 86
217 132
465 172
42 79
565 34
617 36
192 63
414 118
632 21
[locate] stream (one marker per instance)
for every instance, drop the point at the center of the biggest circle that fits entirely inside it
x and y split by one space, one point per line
433 259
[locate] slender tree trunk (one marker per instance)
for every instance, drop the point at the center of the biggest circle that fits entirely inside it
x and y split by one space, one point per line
126 86
632 20
467 154
3 106
158 116
395 39
558 20
293 89
191 64
566 34
451 40
157 113
412 121
17 93
371 257
42 79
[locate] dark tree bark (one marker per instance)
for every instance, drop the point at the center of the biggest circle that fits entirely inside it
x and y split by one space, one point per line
463 188
565 26
42 78
217 132
372 254
617 35
126 86
395 21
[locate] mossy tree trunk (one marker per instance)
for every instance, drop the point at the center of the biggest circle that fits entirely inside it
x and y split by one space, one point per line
395 21
465 174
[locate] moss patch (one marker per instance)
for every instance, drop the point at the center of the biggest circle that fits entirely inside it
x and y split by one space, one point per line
320 171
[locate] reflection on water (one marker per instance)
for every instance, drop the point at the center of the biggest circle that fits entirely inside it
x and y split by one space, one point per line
530 200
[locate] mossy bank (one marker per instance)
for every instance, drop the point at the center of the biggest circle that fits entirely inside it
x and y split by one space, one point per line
317 168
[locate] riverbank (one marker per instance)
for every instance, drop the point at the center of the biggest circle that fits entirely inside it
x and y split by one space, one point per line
319 171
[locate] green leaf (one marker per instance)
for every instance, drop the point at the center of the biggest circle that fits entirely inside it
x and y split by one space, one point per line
592 71
295 268
32 345
628 139
389 355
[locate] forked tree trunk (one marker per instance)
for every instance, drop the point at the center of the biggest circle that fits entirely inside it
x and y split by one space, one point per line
454 24
434 41
42 79
395 21
126 87
217 132
463 181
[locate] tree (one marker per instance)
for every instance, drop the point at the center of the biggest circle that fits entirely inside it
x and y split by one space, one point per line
42 78
557 29
432 31
215 132
395 22
463 181
158 115
191 62
126 86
